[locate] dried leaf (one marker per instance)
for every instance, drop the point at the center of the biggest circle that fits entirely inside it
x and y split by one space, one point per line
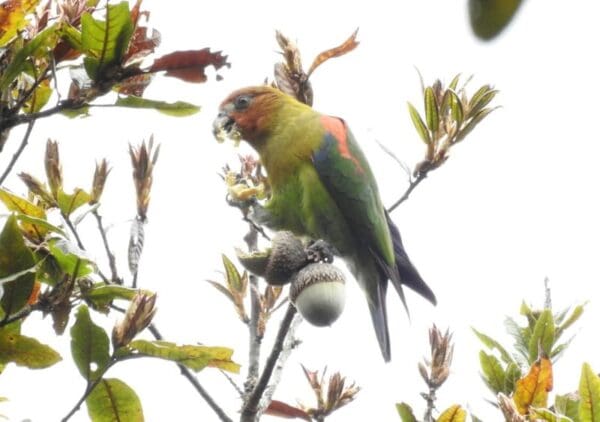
346 47
283 410
189 65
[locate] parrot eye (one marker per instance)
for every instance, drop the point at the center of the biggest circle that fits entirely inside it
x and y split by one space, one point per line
242 102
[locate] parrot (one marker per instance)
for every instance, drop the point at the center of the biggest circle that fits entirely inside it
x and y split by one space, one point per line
323 188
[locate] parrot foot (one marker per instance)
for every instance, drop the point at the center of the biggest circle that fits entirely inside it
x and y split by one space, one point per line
320 251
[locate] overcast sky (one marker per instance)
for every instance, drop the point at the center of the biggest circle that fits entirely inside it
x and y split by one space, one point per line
517 202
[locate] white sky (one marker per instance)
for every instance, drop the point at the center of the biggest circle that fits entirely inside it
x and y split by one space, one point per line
516 203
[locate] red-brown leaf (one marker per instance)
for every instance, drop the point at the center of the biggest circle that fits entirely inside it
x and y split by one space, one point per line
189 65
346 47
136 85
143 43
284 410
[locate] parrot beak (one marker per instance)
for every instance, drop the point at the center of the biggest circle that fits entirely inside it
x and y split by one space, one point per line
222 126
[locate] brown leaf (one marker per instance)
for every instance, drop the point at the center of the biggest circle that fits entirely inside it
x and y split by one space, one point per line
533 388
143 42
284 410
189 65
135 85
289 75
346 47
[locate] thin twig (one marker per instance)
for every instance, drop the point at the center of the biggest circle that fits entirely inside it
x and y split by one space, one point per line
18 153
251 406
109 254
23 313
413 184
255 340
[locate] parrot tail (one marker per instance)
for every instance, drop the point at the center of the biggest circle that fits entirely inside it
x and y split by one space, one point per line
409 276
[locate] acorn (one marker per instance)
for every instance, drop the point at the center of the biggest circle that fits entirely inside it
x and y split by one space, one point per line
286 258
255 262
318 292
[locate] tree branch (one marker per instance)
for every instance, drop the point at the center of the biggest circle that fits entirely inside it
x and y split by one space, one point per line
413 184
111 257
250 409
18 153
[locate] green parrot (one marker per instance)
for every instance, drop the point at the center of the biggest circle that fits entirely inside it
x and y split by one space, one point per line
322 187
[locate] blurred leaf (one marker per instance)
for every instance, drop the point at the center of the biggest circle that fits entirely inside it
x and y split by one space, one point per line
40 97
492 372
568 405
344 48
490 17
493 344
101 295
106 41
283 410
405 412
431 110
539 415
234 279
472 123
589 391
71 35
134 85
113 400
543 335
24 351
70 202
532 390
18 64
419 125
15 258
42 226
520 336
512 373
223 290
69 257
177 109
194 357
189 65
89 345
571 319
454 413
454 83
12 18
480 99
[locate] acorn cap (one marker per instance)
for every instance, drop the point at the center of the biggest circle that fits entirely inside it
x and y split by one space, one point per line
255 262
286 258
318 292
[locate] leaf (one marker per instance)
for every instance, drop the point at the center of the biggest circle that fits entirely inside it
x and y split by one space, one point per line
419 125
532 390
89 345
70 202
344 48
194 357
456 109
41 224
568 405
431 110
454 413
492 372
102 294
105 41
494 345
15 258
405 412
12 18
113 400
189 65
234 279
40 97
480 99
547 415
575 315
19 63
223 290
489 17
177 109
24 351
472 123
70 258
512 373
589 391
543 335
283 410
23 207
520 336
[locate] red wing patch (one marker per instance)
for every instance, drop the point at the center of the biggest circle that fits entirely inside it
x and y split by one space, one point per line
337 129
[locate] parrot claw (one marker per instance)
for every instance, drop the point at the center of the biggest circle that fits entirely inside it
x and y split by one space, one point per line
320 251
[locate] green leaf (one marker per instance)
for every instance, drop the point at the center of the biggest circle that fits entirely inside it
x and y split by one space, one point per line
43 42
568 405
480 99
456 108
405 412
473 122
42 224
512 374
177 109
489 17
89 345
419 125
15 258
72 113
70 202
493 344
234 279
24 351
39 98
538 414
454 83
521 337
71 35
572 319
589 391
454 413
431 110
101 294
113 400
194 357
492 372
106 41
70 258
543 335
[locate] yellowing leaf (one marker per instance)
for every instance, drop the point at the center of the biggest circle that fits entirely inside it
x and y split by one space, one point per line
24 351
454 413
12 17
113 400
589 391
40 97
23 206
194 357
532 390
